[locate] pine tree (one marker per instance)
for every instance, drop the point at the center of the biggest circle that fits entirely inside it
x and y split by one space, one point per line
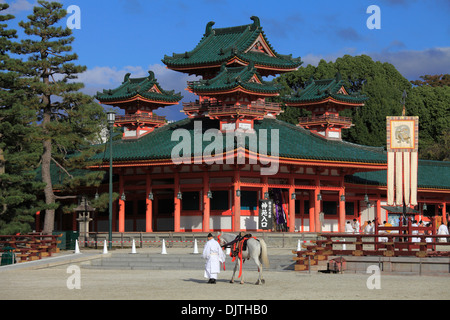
67 120
438 80
19 153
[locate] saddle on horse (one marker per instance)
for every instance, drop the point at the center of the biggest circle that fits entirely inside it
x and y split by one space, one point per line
238 245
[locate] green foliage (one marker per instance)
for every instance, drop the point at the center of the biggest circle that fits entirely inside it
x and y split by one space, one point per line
384 86
380 81
68 119
47 123
432 105
19 152
439 80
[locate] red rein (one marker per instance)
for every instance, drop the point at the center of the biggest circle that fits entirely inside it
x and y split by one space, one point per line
241 244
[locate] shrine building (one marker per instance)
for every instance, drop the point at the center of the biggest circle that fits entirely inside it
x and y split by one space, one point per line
209 171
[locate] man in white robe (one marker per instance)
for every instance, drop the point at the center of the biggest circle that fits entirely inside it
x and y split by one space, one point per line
368 229
214 255
442 230
415 239
348 229
355 225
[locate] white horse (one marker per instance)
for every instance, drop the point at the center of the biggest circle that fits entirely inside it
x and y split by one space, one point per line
256 249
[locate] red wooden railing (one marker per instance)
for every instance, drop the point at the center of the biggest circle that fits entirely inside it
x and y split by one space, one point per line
328 118
385 241
29 247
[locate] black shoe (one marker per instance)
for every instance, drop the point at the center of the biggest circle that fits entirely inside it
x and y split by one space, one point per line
213 281
210 281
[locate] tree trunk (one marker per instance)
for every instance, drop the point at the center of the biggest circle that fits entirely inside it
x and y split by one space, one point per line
2 171
49 222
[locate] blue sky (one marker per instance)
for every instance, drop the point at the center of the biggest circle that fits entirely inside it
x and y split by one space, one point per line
120 36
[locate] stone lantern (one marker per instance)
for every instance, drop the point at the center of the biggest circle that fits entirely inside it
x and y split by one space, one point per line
84 210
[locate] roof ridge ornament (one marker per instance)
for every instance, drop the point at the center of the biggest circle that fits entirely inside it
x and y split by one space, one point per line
151 75
256 22
209 26
127 77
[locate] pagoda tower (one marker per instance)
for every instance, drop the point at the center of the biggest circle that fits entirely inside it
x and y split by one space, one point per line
325 99
232 62
139 97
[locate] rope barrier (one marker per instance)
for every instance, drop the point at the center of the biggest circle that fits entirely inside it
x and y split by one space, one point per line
143 241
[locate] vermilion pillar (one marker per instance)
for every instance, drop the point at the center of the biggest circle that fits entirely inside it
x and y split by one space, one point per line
237 201
149 203
312 220
206 202
121 204
265 188
341 209
302 213
177 203
444 213
379 218
316 210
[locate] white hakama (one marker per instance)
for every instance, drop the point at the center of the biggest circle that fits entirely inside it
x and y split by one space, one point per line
214 255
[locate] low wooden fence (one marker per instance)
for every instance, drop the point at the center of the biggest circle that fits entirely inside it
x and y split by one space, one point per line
403 240
31 246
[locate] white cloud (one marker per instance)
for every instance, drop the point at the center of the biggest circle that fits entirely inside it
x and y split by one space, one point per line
314 59
109 77
415 63
99 78
105 77
410 63
18 6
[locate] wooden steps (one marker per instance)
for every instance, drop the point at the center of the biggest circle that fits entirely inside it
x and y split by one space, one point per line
314 257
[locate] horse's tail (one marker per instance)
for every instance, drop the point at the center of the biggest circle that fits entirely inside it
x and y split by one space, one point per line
264 256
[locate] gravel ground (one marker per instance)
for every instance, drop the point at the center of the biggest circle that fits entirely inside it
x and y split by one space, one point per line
53 281
94 284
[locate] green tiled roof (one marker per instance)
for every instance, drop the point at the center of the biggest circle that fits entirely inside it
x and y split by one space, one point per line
430 174
132 87
317 90
232 77
222 44
294 143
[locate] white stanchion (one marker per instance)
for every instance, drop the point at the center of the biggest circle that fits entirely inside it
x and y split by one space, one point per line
299 247
163 250
195 247
105 249
77 247
133 248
